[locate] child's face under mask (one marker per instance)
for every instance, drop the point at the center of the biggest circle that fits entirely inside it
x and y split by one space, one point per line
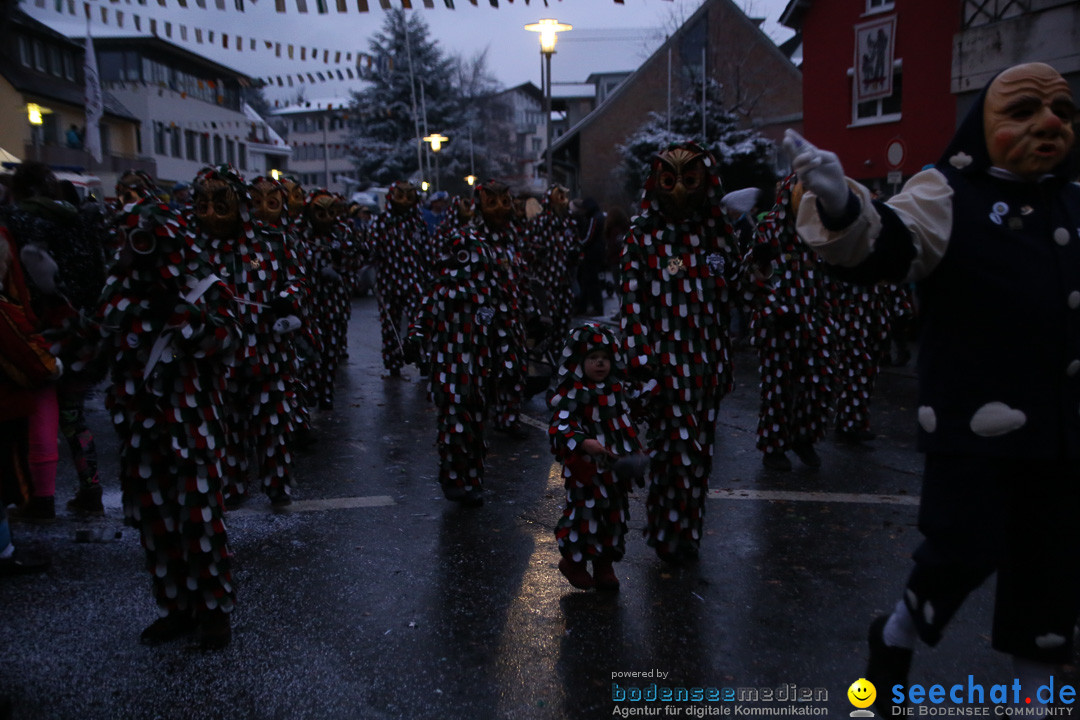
597 365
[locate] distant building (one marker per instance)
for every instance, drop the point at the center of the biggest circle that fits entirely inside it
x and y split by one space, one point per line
890 135
761 86
513 122
42 70
191 108
320 134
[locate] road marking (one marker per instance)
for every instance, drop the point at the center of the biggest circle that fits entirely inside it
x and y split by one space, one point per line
341 503
824 497
531 422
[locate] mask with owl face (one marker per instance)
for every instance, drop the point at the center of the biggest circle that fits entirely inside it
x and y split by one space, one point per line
559 200
267 201
219 203
402 198
680 182
294 197
496 205
133 186
320 212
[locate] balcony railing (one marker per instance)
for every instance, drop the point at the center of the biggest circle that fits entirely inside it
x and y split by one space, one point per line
61 156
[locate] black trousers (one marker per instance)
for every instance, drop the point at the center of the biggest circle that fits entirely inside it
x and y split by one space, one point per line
1016 517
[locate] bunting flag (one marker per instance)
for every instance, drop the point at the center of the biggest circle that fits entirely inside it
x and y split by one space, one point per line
95 106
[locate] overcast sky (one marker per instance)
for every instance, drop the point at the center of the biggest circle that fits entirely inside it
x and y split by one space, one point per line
606 36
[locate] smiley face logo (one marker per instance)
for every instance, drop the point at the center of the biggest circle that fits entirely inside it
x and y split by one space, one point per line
862 693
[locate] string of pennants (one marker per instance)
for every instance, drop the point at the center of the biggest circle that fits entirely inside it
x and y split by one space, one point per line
351 64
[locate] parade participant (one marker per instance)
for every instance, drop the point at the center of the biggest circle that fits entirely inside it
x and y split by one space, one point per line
168 324
860 314
552 245
330 266
590 431
678 276
25 364
435 212
397 241
789 326
459 217
990 233
495 229
61 252
462 324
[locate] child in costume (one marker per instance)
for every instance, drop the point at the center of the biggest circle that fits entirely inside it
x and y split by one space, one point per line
464 329
590 430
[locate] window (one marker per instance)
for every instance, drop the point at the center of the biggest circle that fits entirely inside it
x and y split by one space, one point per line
876 6
230 152
39 56
55 65
242 155
24 52
191 141
882 110
204 149
69 66
174 142
106 139
219 156
159 138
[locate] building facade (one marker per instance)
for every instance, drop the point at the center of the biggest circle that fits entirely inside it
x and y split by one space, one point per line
760 85
42 97
191 109
320 134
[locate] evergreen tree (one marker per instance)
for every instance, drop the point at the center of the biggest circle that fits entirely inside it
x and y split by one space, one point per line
746 157
442 90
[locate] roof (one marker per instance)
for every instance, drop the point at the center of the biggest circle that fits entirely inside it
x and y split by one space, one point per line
315 106
627 85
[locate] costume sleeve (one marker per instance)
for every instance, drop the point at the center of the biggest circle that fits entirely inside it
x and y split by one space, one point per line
24 354
899 240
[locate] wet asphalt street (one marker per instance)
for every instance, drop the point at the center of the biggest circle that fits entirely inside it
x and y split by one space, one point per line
373 597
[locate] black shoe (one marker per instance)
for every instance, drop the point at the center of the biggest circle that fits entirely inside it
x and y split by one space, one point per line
854 437
806 453
87 501
173 626
776 460
886 667
279 496
21 563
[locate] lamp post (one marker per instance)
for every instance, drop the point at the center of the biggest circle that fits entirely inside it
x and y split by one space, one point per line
548 29
436 140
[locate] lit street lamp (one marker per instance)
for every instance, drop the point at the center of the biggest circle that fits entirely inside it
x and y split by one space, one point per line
548 29
436 140
33 114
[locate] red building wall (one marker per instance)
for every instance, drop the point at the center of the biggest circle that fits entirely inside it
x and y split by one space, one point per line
924 41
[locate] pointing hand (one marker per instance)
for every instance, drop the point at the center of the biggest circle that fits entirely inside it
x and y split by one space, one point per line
819 171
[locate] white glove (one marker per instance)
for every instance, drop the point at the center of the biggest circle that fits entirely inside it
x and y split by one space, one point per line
819 171
40 266
59 369
286 324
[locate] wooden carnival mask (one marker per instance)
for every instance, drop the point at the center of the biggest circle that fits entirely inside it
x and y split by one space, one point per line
496 205
267 201
560 200
294 197
320 213
1028 117
217 208
132 187
681 182
402 197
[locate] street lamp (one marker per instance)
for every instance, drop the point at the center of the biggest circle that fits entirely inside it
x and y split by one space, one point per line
548 29
471 179
33 114
436 140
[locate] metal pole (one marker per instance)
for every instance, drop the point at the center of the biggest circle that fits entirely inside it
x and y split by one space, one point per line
423 122
704 138
669 89
436 170
416 116
547 116
326 149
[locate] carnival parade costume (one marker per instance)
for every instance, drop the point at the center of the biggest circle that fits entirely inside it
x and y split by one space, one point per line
553 247
593 523
679 268
496 230
330 264
169 325
463 324
397 247
860 315
790 327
